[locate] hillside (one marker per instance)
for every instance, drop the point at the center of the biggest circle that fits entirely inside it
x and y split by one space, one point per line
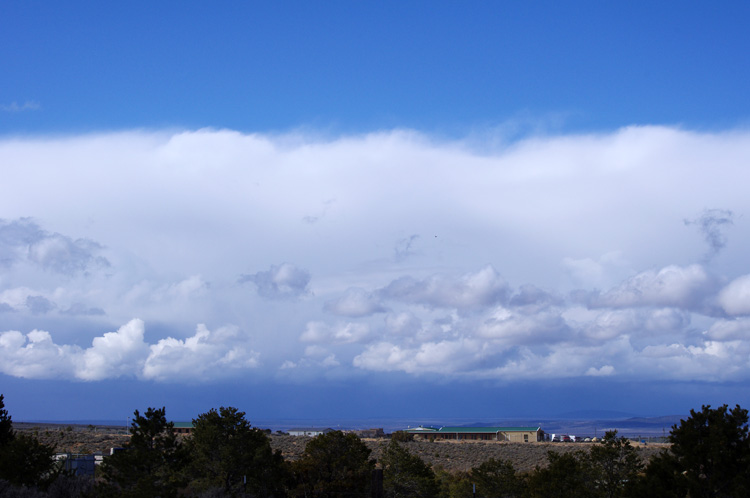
449 455
463 455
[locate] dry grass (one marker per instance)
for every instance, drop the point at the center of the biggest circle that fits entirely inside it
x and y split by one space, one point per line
84 441
464 455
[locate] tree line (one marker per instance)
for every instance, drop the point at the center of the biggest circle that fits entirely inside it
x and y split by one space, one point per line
709 456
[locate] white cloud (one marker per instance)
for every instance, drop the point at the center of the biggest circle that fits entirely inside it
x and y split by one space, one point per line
531 299
355 302
735 297
23 240
509 328
330 361
342 333
35 356
323 357
597 272
403 323
611 324
163 294
552 257
683 287
189 287
471 291
649 323
115 354
203 357
727 330
315 357
29 105
445 357
604 371
16 298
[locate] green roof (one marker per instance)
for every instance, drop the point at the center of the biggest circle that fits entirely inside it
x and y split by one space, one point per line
488 429
183 425
473 430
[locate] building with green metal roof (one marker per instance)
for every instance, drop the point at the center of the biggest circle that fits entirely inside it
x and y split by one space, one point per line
184 428
510 434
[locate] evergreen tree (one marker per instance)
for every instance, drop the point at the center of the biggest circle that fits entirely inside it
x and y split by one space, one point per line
662 478
230 455
24 461
615 463
568 475
712 449
453 484
151 463
334 465
6 424
406 475
402 436
497 479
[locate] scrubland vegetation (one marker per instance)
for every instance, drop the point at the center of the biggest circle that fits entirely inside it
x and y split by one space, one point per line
708 456
456 456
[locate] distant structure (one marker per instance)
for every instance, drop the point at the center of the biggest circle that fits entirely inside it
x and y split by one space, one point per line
78 464
370 433
309 431
184 428
510 434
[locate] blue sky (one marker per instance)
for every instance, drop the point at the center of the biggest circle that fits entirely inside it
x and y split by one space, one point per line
399 209
435 66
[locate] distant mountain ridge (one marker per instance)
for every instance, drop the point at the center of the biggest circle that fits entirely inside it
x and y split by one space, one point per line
596 414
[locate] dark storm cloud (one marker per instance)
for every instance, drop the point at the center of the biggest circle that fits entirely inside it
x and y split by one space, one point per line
711 224
403 247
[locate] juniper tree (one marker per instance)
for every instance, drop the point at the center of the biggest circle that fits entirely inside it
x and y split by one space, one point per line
712 448
497 479
406 475
334 465
151 463
615 463
24 461
231 456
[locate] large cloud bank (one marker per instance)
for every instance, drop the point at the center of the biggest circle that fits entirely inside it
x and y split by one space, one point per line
619 255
